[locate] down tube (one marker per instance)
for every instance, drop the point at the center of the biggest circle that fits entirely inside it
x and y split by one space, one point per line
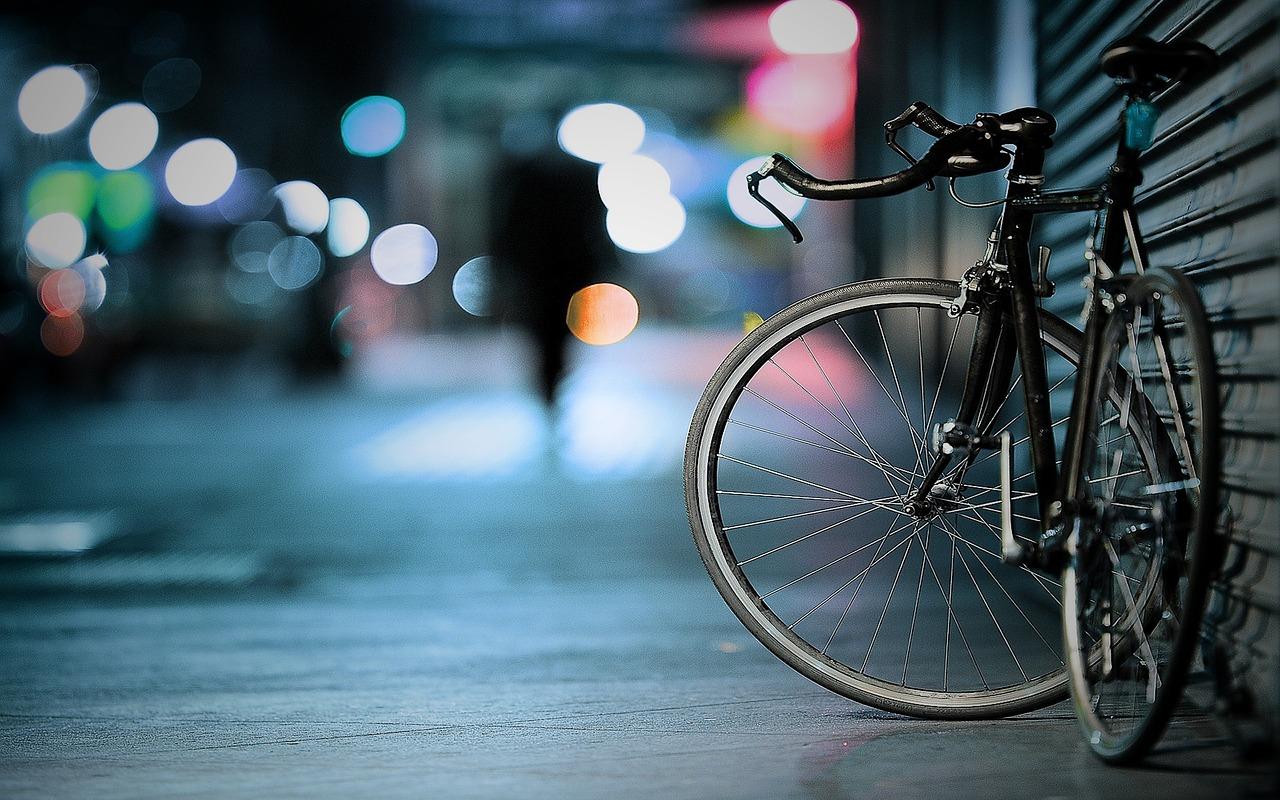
1035 381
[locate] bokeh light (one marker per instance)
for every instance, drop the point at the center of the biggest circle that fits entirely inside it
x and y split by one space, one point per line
602 313
90 269
56 240
813 26
707 292
373 126
66 187
200 171
62 336
123 135
682 166
348 227
750 321
253 243
249 198
473 286
306 208
51 99
404 254
294 263
61 292
171 84
369 309
631 178
600 132
646 226
748 210
809 96
126 206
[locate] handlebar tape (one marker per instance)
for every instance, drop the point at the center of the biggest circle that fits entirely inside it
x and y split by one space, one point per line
933 123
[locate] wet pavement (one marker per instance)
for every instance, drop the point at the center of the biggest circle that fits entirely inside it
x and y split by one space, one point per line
428 589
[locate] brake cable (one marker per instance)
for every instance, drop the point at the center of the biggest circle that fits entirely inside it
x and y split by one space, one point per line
951 187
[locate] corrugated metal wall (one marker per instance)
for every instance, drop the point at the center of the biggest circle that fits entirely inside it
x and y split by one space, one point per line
1209 207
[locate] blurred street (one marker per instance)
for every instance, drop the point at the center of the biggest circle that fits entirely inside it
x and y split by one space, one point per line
300 594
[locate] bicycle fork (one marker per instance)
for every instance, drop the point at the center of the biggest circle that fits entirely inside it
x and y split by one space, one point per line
1008 326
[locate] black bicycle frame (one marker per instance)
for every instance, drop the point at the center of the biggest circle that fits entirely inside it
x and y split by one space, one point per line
1012 306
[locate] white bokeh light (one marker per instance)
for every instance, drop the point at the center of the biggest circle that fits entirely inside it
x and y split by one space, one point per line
812 27
630 178
348 227
747 209
404 254
600 132
51 99
473 287
646 226
123 135
306 208
57 240
200 171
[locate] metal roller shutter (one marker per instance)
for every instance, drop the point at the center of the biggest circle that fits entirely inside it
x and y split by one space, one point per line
1208 207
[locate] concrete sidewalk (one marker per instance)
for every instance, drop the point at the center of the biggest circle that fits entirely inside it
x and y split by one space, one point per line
291 602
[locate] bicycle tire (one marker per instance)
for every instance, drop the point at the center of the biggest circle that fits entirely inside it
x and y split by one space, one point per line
754 613
1190 501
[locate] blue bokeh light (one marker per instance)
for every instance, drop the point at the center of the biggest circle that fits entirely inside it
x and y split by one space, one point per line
373 126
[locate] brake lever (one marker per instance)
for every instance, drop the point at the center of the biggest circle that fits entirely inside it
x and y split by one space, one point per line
753 188
891 129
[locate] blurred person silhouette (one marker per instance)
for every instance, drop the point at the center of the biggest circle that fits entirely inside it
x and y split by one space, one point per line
548 238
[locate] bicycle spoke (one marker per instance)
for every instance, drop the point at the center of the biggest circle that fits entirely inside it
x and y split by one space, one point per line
793 478
947 595
1056 651
889 597
901 410
999 628
782 496
1042 580
851 452
856 590
942 375
917 436
856 431
799 514
862 513
811 573
915 610
798 440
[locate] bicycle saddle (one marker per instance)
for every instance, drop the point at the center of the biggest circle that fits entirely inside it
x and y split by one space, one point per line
1141 58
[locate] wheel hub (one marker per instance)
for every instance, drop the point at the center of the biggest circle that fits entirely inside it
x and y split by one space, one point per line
943 497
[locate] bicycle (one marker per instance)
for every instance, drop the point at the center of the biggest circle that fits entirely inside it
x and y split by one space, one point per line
808 515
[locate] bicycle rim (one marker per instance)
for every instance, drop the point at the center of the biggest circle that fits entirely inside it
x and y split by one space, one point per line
1149 524
967 637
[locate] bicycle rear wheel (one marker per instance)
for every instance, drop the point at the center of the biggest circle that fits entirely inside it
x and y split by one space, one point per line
802 449
1144 520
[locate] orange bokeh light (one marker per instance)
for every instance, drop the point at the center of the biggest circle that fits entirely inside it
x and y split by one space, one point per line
602 313
62 336
62 292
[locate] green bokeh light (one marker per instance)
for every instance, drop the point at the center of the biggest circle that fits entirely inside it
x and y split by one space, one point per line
68 187
126 206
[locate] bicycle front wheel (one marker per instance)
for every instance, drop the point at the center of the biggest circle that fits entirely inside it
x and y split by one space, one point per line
804 446
1145 519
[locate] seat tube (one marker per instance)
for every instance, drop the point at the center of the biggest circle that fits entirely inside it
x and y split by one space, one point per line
1123 177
